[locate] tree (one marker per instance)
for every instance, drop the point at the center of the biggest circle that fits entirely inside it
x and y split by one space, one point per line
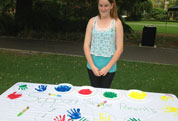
176 3
23 13
6 6
59 15
7 11
133 8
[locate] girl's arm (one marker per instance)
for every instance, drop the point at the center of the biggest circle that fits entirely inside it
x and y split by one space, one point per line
119 48
86 47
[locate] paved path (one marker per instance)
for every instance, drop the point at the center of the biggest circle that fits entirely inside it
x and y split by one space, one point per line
132 53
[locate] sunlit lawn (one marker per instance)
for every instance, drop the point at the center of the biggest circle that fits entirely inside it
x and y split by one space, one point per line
54 69
162 27
166 33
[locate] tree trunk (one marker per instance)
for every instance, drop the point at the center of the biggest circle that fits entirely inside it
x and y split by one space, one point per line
23 13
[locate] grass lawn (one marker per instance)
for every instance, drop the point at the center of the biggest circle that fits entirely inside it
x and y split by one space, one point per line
162 27
54 69
166 35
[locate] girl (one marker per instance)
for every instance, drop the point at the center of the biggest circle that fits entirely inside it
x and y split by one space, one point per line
103 44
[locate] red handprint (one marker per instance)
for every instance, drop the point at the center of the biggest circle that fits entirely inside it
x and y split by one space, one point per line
14 95
61 118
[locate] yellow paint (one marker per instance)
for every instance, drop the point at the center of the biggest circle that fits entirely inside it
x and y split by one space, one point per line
166 98
103 117
137 95
52 94
171 110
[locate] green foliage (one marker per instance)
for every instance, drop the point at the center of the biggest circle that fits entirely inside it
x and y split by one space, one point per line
158 14
136 8
46 15
6 5
176 3
176 18
147 6
62 15
7 25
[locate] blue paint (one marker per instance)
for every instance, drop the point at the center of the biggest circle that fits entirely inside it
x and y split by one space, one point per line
59 96
41 88
74 114
63 88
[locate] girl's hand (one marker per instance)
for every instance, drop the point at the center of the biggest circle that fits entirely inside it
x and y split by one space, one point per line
96 71
103 71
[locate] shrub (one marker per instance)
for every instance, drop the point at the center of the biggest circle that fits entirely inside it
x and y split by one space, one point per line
158 14
7 25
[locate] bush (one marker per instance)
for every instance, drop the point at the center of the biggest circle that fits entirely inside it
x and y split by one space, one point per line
7 25
176 18
158 14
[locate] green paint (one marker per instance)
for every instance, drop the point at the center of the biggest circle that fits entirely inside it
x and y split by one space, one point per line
133 119
23 87
110 94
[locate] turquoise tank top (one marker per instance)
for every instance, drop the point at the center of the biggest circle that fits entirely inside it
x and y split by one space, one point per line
103 45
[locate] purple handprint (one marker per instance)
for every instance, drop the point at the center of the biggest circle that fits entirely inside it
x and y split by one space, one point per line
74 114
41 88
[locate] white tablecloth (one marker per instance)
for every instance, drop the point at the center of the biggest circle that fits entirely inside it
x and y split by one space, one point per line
56 107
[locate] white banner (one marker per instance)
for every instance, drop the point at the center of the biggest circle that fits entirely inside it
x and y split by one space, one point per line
65 102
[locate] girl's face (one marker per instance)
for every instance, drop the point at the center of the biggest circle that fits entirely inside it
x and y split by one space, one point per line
104 7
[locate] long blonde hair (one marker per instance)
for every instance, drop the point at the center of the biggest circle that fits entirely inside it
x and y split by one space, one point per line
113 12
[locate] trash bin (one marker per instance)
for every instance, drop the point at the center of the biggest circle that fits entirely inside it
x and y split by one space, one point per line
148 36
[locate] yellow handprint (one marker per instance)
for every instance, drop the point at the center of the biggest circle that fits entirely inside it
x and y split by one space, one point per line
166 98
103 117
171 109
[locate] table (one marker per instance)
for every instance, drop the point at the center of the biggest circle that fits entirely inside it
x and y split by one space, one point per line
65 102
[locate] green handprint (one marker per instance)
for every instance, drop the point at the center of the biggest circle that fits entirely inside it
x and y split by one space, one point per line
103 117
23 87
83 119
133 119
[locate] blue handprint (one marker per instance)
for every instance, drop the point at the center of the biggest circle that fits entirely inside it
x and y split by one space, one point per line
74 114
63 88
41 88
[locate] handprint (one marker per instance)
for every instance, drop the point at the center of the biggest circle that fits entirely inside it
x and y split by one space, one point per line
14 95
171 109
74 114
60 118
83 119
103 117
133 119
23 87
41 88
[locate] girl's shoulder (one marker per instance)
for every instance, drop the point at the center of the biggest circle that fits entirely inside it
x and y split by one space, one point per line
92 20
118 22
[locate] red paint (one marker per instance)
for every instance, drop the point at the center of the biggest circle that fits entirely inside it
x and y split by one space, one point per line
14 95
85 91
